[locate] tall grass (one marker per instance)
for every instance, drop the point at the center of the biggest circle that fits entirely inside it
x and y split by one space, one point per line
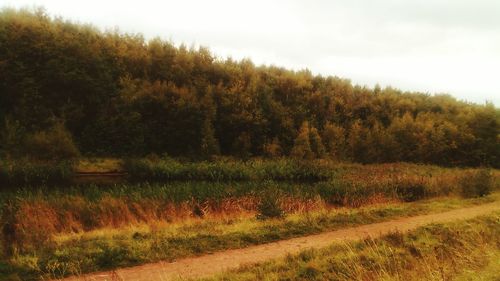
436 252
73 253
279 170
87 207
32 214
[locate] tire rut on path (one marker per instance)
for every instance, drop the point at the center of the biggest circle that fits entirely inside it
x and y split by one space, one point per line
218 262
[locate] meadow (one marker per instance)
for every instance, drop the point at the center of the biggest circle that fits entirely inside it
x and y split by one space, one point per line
468 250
167 209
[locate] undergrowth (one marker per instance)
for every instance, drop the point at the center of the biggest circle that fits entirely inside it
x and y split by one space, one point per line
28 172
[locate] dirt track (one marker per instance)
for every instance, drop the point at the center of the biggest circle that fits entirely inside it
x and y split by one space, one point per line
230 259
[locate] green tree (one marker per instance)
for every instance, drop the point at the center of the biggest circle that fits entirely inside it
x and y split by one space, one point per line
12 138
334 138
242 145
316 143
302 146
55 143
356 141
272 149
209 145
118 94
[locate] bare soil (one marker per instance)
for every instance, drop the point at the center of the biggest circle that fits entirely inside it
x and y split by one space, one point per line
210 264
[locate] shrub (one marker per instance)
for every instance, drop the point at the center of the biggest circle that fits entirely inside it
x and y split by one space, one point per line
270 205
272 149
29 172
333 192
347 193
410 190
53 144
477 183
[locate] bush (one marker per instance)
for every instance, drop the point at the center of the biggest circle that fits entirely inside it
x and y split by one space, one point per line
53 144
270 206
346 193
410 191
334 192
29 172
477 183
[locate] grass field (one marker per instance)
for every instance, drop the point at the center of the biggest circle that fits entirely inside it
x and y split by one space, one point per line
52 228
468 250
106 248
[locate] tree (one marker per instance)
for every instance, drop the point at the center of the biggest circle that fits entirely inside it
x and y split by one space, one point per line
272 149
13 138
378 144
119 95
55 143
356 142
334 139
209 145
316 143
242 145
402 129
302 147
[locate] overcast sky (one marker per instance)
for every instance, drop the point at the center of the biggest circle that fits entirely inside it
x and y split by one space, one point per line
434 46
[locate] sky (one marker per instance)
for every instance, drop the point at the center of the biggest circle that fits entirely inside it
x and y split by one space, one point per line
430 46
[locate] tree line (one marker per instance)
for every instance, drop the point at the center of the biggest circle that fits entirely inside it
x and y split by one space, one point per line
68 88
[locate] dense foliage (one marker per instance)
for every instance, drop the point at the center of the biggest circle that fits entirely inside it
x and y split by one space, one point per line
117 94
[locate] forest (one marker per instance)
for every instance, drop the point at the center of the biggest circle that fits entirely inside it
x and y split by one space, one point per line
69 89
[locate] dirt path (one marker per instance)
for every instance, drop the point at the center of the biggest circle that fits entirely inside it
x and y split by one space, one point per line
230 259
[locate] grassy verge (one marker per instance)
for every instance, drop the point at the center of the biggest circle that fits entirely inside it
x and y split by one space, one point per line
457 251
110 248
